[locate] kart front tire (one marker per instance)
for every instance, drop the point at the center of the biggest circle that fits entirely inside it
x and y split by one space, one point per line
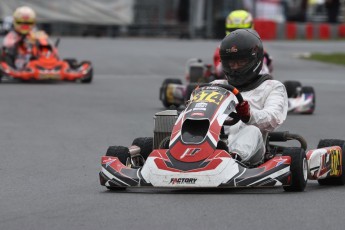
145 144
163 91
298 168
121 152
334 180
291 88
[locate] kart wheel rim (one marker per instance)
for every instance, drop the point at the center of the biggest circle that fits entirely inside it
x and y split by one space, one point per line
305 169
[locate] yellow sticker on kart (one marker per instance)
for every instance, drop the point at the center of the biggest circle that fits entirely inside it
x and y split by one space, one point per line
335 162
205 96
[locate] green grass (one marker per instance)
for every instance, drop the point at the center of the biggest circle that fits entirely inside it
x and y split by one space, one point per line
335 58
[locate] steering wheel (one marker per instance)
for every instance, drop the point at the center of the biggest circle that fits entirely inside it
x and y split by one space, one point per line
238 95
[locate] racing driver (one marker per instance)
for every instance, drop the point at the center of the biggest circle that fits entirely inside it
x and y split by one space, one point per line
18 44
239 19
265 100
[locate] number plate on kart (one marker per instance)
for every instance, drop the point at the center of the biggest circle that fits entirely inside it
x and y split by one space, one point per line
49 76
205 96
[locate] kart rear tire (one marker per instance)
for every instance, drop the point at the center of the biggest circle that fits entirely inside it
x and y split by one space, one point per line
121 152
163 91
298 168
334 180
291 88
309 90
145 144
189 90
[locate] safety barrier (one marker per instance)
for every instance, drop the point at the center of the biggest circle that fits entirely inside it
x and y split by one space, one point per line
270 30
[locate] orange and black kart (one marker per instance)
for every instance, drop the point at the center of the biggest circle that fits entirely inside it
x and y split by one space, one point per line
46 65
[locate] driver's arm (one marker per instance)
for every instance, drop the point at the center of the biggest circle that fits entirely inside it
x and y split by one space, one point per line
274 110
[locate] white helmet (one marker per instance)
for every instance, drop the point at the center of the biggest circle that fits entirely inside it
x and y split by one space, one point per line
24 19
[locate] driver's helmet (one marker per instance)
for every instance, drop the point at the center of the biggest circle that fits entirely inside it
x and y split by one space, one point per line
238 19
24 20
241 54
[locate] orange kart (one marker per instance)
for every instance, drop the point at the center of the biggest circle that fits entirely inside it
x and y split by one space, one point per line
45 65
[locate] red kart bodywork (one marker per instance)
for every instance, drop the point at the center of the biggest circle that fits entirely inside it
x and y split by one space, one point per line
196 156
45 64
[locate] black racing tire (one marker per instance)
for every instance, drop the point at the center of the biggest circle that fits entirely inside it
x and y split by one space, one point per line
72 62
163 91
291 88
309 90
298 168
334 180
89 77
165 143
189 90
145 144
120 152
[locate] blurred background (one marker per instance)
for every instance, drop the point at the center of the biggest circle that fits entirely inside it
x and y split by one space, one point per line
167 18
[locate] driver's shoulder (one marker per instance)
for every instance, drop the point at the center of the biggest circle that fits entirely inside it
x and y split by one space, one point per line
273 83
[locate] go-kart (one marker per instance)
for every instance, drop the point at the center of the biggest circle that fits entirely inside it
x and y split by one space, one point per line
189 150
45 65
174 93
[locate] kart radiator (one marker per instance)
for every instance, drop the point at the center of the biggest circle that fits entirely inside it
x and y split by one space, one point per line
163 125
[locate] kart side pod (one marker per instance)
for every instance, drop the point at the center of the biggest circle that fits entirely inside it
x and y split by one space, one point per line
325 163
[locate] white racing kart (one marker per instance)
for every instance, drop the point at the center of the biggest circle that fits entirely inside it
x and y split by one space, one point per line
301 98
174 93
188 151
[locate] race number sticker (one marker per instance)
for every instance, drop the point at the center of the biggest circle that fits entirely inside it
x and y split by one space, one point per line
49 76
205 96
335 162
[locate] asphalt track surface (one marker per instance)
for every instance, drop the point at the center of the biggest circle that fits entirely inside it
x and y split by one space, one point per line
52 137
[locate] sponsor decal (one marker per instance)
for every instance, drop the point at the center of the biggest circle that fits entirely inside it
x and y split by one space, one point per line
279 161
200 105
198 114
182 181
335 163
190 152
255 50
331 161
204 109
212 97
49 76
108 161
232 50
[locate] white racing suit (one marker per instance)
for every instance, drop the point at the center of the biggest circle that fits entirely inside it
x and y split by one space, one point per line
268 110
